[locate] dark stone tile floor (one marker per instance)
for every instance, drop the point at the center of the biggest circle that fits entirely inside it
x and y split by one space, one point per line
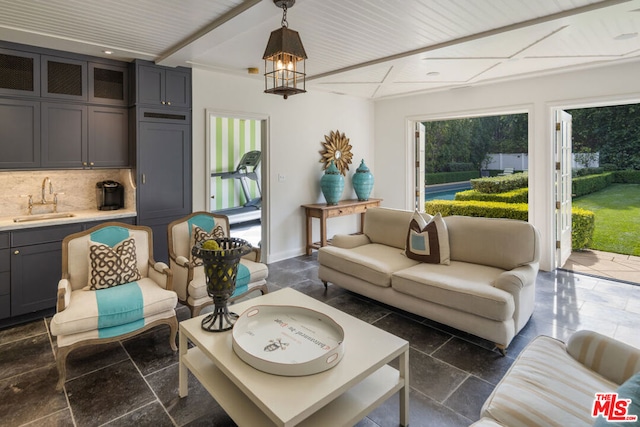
135 382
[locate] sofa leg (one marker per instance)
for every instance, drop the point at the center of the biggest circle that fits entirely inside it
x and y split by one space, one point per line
326 284
502 349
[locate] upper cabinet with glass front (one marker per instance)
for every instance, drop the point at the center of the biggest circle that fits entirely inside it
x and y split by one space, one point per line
63 78
108 84
19 73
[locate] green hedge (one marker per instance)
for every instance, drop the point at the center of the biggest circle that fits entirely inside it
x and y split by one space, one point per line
461 167
445 177
627 177
590 184
500 184
583 221
521 195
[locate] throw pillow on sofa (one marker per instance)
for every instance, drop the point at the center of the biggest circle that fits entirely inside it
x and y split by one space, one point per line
428 243
112 266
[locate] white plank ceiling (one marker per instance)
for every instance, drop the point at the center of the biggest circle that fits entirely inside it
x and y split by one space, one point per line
367 48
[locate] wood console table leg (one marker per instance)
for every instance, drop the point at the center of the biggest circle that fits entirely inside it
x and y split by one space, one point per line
323 230
309 234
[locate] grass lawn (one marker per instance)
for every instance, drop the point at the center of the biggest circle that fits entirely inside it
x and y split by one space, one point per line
617 210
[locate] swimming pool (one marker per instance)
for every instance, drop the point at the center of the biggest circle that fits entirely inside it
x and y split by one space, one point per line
443 192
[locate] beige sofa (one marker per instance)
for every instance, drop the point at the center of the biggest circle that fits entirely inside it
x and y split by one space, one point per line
553 384
488 289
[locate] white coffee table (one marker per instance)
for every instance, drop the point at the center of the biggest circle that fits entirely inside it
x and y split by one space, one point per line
340 396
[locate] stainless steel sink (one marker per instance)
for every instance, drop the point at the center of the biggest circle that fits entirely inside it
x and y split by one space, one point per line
42 217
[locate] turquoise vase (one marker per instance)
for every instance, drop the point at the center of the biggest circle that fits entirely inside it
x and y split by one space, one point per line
332 184
362 182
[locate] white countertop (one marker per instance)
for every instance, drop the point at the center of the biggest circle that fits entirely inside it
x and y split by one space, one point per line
7 223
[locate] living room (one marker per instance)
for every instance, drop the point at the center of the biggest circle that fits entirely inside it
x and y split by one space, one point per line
379 129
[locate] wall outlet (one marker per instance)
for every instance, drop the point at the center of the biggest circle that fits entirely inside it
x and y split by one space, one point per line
281 178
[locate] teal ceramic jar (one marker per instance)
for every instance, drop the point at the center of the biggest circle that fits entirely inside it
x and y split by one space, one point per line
332 184
362 182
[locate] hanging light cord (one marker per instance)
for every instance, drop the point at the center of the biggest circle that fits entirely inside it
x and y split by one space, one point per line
284 22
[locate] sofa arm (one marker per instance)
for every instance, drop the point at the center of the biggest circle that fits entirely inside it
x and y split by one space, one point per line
182 261
64 295
254 255
515 280
349 241
613 359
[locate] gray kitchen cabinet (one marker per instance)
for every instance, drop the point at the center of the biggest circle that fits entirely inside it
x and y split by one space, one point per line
31 267
108 84
163 170
19 73
64 135
36 267
108 142
63 78
163 86
5 276
19 134
77 136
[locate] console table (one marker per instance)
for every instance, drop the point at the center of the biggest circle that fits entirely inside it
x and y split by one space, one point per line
322 211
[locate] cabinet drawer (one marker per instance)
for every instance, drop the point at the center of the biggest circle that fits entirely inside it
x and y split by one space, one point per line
5 283
4 240
43 234
342 211
5 260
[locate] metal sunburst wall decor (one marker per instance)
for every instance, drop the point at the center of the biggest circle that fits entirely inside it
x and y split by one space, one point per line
338 149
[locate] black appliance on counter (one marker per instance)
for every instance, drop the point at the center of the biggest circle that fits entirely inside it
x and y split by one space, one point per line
109 195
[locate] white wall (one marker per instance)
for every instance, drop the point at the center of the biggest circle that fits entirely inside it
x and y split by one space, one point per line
536 96
296 129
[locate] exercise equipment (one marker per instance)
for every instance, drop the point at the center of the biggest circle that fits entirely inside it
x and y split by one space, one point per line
246 170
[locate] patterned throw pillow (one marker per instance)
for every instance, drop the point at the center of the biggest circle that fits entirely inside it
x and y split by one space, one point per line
429 243
198 235
109 267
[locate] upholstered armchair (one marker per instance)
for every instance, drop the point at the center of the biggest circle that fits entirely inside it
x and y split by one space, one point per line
189 279
111 289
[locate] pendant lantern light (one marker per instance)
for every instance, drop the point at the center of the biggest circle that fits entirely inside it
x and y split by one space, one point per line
284 58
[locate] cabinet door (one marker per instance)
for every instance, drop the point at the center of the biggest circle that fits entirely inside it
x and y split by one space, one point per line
177 89
164 170
19 73
150 85
108 137
19 134
64 78
108 84
64 135
5 277
35 272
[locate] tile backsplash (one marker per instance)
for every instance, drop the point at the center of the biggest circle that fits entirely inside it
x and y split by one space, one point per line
78 186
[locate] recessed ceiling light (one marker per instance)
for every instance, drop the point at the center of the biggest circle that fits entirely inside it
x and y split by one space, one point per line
626 36
107 52
433 74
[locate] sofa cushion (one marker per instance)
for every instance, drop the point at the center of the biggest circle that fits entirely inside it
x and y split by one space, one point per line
462 286
428 242
388 226
498 242
545 387
115 310
373 263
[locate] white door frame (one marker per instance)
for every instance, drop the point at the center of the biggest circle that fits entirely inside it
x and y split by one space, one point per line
264 166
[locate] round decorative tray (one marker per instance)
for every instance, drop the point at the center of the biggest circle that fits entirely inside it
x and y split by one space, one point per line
288 340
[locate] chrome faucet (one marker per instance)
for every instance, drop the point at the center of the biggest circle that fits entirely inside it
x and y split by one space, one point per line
44 185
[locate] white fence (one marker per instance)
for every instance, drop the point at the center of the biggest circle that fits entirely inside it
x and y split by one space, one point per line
520 161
